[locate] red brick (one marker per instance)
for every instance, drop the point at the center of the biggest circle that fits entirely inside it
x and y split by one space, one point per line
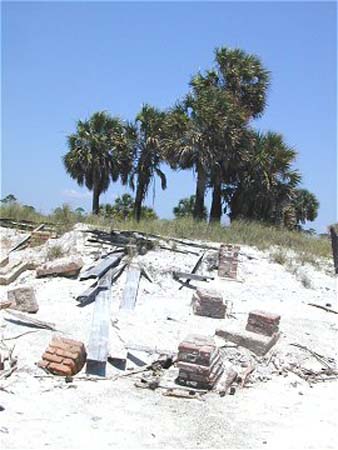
60 369
52 358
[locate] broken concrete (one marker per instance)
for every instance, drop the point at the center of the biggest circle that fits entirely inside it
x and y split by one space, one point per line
257 343
11 272
23 299
208 302
69 266
64 357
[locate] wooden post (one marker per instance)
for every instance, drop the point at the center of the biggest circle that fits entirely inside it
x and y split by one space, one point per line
97 350
334 243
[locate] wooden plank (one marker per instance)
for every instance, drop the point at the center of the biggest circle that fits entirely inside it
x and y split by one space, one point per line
23 319
26 238
131 288
192 276
97 349
117 352
88 296
334 243
194 270
103 267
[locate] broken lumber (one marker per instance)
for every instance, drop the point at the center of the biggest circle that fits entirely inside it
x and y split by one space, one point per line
323 308
97 350
194 270
23 319
334 243
131 288
88 296
26 238
192 276
102 268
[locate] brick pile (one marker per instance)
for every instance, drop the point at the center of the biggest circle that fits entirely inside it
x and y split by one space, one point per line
208 302
64 357
228 261
199 362
262 322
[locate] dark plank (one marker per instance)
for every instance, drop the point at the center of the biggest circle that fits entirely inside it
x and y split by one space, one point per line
334 243
194 270
192 276
102 268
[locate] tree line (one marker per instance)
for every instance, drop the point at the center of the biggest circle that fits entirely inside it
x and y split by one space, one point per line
210 130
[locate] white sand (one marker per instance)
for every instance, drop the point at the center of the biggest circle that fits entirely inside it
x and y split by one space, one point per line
283 412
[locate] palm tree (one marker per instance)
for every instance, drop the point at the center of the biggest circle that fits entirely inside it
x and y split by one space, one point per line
266 183
99 151
245 80
147 132
185 208
197 128
305 205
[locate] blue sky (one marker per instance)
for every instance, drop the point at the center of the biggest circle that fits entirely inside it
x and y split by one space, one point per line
62 61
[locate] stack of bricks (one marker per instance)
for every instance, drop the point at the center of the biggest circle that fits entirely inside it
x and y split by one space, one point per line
199 362
39 238
208 303
64 357
228 261
262 322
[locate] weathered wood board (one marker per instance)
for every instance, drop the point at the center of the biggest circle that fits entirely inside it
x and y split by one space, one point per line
131 288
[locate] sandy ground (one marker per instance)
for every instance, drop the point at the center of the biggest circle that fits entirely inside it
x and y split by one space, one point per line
272 411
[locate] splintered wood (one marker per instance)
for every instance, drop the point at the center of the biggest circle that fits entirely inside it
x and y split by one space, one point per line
228 261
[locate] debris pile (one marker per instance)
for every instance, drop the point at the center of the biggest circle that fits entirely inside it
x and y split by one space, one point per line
199 362
228 261
63 357
208 302
262 322
23 299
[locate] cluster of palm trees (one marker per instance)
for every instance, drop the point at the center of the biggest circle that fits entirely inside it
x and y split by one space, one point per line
210 131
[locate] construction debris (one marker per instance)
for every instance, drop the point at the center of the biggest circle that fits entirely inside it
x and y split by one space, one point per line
199 362
262 322
10 272
228 261
28 321
102 268
23 299
99 334
64 357
68 266
131 288
208 302
257 343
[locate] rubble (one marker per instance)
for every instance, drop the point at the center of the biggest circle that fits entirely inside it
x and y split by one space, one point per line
262 322
199 362
23 299
257 343
64 357
208 302
68 266
228 261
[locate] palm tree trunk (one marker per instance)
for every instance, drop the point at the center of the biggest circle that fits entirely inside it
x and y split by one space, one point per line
96 200
138 201
216 205
200 193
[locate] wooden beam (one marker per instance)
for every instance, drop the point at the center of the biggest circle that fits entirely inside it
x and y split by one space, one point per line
103 267
194 270
192 276
23 319
97 349
131 288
